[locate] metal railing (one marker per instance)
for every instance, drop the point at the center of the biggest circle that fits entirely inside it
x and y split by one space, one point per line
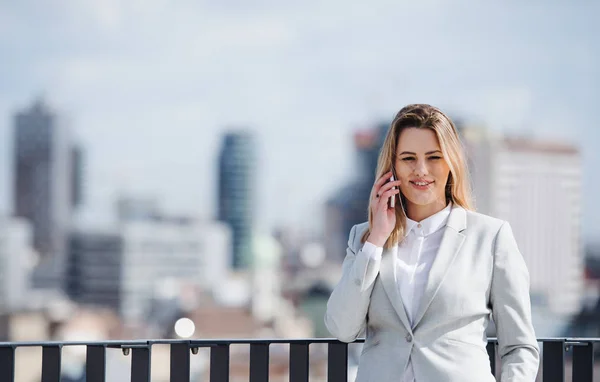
555 352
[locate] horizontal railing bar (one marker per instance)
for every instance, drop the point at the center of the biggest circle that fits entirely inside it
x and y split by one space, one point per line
575 339
269 341
192 343
217 342
577 343
560 339
113 344
135 346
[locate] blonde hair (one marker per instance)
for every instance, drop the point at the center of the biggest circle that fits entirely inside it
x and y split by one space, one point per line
458 187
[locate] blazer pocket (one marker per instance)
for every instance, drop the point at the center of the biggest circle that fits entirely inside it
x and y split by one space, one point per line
454 341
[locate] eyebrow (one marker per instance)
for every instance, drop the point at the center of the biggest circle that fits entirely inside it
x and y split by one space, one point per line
427 153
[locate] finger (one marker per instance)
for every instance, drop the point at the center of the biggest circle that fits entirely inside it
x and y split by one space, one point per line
384 198
382 179
375 200
388 186
389 193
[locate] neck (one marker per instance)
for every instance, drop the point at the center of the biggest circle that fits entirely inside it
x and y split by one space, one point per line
419 213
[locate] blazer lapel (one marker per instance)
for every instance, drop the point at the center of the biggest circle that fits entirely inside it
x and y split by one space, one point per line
386 274
452 240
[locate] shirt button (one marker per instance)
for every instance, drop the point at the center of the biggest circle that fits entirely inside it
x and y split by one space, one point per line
419 225
409 338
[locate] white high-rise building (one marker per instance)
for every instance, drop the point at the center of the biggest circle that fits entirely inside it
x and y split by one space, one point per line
147 260
536 186
16 259
161 257
266 279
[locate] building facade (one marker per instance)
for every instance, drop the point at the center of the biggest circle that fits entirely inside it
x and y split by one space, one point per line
47 181
237 192
145 261
93 272
16 259
536 186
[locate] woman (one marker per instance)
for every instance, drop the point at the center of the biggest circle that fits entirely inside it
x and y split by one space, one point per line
423 277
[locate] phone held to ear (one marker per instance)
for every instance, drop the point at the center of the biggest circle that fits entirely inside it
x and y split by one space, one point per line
392 200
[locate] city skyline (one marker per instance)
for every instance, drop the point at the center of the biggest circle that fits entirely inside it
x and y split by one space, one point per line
150 103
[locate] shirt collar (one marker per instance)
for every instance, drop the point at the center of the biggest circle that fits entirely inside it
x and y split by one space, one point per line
431 224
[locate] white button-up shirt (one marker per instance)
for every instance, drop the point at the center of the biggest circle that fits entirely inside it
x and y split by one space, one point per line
415 257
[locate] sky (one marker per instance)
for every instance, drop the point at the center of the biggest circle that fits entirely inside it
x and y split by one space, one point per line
149 87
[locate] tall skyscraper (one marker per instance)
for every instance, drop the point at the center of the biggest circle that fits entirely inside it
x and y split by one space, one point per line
47 180
237 192
536 186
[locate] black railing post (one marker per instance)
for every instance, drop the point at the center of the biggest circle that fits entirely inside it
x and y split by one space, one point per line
554 361
299 362
259 362
180 362
95 363
583 362
337 362
51 363
491 350
7 363
219 363
140 363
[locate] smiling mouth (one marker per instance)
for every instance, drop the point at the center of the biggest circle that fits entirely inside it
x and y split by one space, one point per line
421 184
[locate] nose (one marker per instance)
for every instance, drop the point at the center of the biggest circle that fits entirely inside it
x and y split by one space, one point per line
421 168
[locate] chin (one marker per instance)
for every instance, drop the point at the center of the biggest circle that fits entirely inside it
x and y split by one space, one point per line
423 201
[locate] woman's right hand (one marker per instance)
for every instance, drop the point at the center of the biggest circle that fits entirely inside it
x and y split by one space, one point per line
384 217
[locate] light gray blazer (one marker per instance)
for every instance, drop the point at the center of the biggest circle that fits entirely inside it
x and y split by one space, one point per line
478 271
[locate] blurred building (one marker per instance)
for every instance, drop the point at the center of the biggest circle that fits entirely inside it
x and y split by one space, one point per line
237 192
47 182
266 279
94 269
146 261
349 205
137 208
536 186
77 176
16 258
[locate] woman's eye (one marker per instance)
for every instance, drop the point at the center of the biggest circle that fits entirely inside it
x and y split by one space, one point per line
408 159
435 157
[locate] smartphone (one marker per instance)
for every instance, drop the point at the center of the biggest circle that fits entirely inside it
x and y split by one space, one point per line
392 200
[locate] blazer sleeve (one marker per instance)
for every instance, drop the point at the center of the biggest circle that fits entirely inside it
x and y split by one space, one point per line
347 307
511 310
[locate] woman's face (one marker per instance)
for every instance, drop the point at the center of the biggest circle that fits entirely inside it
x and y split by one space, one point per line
423 170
